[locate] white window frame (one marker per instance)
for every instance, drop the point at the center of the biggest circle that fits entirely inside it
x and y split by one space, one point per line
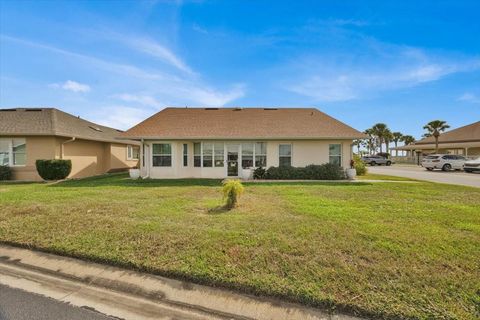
291 153
158 154
185 154
10 151
339 155
260 154
130 152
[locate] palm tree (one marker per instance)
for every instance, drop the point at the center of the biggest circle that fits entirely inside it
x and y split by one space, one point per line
370 140
380 130
408 140
388 137
357 143
397 136
434 128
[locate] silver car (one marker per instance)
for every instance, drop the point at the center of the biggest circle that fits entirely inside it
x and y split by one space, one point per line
376 160
472 165
445 162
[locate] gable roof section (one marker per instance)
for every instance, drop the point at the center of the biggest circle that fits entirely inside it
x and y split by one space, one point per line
53 122
242 123
466 133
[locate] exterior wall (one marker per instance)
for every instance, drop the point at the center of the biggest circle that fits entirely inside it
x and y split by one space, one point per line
36 148
88 157
304 152
117 157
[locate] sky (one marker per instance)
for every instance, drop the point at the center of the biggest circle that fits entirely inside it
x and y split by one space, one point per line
403 63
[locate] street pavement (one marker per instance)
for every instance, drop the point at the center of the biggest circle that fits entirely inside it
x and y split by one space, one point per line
420 173
16 304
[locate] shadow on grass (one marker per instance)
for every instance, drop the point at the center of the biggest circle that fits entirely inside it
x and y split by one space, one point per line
309 183
218 210
122 180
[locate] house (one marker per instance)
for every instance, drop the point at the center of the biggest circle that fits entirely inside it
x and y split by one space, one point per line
463 141
230 142
28 134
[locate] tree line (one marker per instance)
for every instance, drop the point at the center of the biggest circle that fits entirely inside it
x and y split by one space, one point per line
380 135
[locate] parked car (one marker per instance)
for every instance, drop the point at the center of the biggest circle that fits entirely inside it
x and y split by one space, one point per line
472 165
374 160
445 162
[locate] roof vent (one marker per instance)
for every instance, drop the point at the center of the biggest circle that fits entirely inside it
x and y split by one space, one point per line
33 110
211 108
8 109
95 128
268 109
237 109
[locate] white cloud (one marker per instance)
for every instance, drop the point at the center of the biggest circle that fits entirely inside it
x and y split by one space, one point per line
72 86
142 99
119 116
469 97
379 67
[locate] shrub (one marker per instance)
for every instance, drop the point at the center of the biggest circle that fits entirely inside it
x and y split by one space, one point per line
53 169
325 171
360 166
232 189
259 173
5 173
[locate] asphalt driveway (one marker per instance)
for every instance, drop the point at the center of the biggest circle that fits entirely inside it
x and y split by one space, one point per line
417 172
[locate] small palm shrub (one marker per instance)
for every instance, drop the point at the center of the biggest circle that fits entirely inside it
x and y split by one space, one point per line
5 173
232 189
53 169
259 173
360 166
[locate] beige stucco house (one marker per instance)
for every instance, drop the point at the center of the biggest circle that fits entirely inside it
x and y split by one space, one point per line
28 134
231 142
463 141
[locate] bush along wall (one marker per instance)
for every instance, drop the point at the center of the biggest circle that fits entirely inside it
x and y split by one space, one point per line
325 171
53 169
5 173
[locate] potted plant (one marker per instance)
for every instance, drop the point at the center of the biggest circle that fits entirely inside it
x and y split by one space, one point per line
134 173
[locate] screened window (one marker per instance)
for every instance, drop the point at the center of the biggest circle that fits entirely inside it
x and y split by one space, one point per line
162 154
197 154
133 152
335 154
219 154
207 152
247 155
12 152
260 154
185 155
285 155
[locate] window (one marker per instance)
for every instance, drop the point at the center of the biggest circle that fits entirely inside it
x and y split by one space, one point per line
207 152
197 154
260 154
133 152
162 154
12 152
185 155
285 155
219 154
335 154
247 155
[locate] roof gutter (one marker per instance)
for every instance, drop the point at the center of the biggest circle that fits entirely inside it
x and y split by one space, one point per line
62 148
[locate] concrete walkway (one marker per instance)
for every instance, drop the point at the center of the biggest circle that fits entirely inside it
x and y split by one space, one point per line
416 172
133 295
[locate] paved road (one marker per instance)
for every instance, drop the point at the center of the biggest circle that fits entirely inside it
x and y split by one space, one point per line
416 172
16 304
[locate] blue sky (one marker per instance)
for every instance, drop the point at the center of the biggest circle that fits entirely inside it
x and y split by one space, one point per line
116 62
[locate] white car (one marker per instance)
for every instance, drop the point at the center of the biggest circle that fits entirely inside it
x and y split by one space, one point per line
446 162
472 165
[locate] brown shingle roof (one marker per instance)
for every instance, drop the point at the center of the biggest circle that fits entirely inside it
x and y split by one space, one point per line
53 122
466 133
242 123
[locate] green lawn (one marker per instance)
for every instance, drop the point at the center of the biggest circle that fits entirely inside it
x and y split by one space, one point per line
393 250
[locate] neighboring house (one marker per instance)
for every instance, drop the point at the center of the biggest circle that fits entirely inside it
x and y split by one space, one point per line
230 142
28 134
463 141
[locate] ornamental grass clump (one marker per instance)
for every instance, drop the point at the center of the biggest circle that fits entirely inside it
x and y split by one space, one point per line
232 189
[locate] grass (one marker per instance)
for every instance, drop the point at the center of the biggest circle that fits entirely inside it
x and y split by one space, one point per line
387 250
373 176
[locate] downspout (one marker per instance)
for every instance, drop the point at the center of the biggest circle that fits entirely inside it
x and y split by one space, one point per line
61 146
142 160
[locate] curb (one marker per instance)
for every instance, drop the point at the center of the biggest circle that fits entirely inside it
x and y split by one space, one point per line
181 295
